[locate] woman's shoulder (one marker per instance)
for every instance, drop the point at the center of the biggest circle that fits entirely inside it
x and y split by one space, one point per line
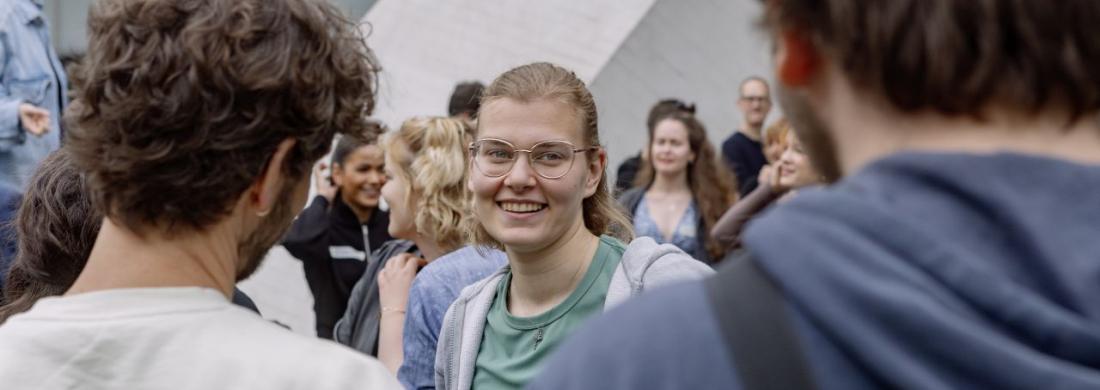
633 194
645 256
631 198
460 267
392 248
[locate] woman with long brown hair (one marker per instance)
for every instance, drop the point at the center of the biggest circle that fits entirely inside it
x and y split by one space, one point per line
681 192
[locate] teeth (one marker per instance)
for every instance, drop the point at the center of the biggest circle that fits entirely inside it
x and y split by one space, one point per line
520 207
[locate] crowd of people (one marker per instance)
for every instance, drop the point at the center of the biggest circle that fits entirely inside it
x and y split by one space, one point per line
923 217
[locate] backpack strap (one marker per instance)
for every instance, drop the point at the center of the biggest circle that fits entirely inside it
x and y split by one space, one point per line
751 313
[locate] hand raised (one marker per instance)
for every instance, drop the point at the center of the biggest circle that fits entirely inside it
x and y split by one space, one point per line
322 180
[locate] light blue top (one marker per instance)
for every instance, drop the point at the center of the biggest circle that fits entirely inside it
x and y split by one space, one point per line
30 72
433 290
684 237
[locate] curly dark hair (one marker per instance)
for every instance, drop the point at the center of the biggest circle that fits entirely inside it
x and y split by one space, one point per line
181 104
712 185
56 227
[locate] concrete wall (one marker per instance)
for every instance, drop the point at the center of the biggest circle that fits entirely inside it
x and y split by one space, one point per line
427 46
694 50
631 52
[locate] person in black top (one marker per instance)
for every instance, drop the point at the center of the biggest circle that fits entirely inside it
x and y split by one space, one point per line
742 150
343 224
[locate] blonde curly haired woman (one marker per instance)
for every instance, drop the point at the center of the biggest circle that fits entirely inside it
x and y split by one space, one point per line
426 192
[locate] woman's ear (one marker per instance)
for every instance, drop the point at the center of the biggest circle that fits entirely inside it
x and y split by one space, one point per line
596 168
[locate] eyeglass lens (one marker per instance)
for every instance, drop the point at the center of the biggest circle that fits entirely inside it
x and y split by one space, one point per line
551 159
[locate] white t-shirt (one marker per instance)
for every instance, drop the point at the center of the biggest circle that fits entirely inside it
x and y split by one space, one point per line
170 338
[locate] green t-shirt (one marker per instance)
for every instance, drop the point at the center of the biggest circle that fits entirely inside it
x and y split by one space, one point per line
513 348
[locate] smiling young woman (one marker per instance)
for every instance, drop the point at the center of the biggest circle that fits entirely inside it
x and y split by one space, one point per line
540 194
334 236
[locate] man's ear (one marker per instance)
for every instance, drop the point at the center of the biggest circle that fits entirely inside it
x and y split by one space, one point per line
798 60
596 168
267 188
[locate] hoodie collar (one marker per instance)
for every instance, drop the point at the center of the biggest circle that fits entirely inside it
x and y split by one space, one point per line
29 10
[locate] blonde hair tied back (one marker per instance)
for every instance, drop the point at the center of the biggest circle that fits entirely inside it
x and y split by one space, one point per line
430 154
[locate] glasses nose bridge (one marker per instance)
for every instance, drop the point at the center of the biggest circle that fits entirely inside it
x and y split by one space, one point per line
530 155
529 160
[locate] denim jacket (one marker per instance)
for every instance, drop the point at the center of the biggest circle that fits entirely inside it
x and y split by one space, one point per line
434 290
29 73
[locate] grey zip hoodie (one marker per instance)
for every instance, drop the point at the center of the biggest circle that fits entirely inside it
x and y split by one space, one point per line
645 264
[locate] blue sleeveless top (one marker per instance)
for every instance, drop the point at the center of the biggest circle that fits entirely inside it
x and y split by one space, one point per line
685 234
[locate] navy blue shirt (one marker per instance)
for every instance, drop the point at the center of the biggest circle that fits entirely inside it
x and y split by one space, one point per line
745 158
920 271
9 204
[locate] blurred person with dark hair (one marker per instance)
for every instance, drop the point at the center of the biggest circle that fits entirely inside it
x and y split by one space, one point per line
32 91
742 151
335 235
682 190
465 102
55 228
957 248
195 126
628 169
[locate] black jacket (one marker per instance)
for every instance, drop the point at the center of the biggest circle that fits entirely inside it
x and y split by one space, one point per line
628 170
329 240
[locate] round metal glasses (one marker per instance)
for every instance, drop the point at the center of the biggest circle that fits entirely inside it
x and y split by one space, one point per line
549 159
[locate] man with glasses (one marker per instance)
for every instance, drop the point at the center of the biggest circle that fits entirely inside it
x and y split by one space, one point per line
742 151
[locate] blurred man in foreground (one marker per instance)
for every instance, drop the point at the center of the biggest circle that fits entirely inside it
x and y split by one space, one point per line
957 250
